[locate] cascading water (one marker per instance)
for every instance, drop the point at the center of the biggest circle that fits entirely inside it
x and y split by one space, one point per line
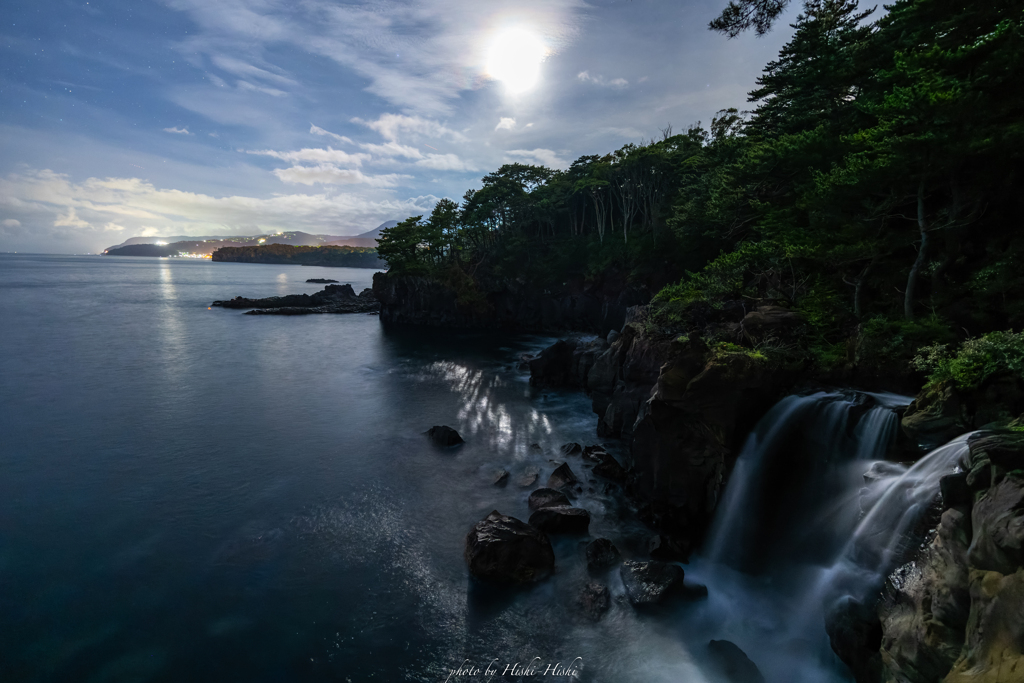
814 513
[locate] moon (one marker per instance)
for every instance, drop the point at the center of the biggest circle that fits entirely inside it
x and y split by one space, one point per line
514 58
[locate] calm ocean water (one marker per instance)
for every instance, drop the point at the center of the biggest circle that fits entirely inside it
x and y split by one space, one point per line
199 495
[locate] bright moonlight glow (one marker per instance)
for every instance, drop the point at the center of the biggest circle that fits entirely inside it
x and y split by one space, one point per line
514 59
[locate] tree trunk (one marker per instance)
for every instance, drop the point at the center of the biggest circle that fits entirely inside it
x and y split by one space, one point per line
922 256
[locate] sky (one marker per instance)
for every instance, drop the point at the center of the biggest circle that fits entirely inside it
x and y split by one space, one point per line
122 118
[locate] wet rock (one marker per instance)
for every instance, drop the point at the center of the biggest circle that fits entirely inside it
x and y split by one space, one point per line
955 491
535 447
998 524
668 548
855 633
994 642
504 549
333 299
501 478
601 554
321 280
561 519
444 436
925 606
693 591
650 583
609 468
883 470
528 478
562 478
594 600
571 449
733 663
545 498
935 417
594 453
553 366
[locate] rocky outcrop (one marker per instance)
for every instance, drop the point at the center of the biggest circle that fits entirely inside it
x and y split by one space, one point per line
545 498
650 583
321 280
561 519
595 307
333 299
941 412
506 550
952 613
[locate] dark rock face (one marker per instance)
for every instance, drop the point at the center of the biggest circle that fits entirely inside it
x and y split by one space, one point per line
601 554
561 519
528 478
769 322
855 634
333 299
733 663
650 583
545 498
594 600
501 478
504 549
596 307
940 413
562 478
609 468
994 643
571 449
998 520
444 436
321 280
553 366
669 548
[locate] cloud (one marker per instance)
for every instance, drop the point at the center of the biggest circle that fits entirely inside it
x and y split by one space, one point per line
179 131
506 124
390 126
392 149
328 174
243 70
602 81
317 130
56 214
445 162
315 155
542 157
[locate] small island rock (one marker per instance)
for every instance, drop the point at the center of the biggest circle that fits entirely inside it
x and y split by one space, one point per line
507 550
444 436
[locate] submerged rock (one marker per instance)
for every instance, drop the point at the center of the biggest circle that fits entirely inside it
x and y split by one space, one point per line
733 663
544 498
444 436
507 550
650 583
601 554
500 478
561 519
571 449
321 280
528 478
594 600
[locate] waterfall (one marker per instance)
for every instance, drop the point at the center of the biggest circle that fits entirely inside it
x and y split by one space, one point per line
792 492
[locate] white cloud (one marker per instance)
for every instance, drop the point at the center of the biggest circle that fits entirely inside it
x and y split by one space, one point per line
246 85
539 156
317 130
602 81
328 174
316 155
390 126
392 149
179 131
12 223
445 162
506 124
243 70
55 213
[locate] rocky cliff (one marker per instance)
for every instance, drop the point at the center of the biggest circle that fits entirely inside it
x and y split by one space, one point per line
506 305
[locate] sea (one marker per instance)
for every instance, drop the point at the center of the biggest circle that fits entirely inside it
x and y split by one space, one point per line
189 493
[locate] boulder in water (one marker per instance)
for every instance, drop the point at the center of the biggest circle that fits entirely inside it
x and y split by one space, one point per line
562 477
545 498
561 519
650 583
506 550
609 468
601 554
733 663
500 478
528 478
444 436
571 449
594 600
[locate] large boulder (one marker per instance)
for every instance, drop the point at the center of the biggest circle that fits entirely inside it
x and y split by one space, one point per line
561 519
504 549
562 478
553 366
733 663
650 583
770 322
545 498
444 436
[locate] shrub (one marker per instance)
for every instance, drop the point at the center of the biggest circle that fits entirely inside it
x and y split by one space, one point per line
974 361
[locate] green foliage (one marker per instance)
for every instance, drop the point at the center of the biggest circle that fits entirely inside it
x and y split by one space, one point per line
886 341
974 361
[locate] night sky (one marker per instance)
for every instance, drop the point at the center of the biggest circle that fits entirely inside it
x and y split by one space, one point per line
219 117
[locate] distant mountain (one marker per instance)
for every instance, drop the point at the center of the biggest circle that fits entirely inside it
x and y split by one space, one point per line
209 244
375 233
366 239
